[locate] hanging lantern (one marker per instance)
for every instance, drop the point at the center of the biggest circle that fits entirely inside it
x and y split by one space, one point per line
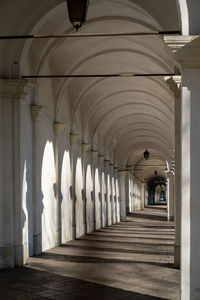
77 12
155 173
146 154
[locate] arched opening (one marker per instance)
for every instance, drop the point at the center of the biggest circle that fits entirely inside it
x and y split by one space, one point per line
157 190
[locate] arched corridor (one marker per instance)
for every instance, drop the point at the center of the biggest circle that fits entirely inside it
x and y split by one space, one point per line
98 126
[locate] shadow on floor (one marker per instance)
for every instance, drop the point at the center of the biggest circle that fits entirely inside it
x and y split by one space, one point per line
131 237
129 224
26 283
138 232
97 260
147 216
118 250
160 206
117 243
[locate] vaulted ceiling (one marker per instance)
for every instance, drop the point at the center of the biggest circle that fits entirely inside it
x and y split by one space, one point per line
120 116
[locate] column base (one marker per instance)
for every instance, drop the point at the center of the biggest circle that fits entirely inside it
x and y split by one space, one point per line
6 257
37 239
93 226
73 232
177 257
21 255
85 228
58 238
122 218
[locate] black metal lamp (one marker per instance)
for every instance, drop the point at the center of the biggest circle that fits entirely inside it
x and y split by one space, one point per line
146 154
155 173
77 12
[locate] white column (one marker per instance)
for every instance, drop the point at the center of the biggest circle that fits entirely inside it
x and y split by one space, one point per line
116 193
143 188
73 140
12 250
127 191
19 191
37 239
107 198
111 169
58 129
94 160
170 195
7 243
85 148
173 84
122 194
101 168
189 59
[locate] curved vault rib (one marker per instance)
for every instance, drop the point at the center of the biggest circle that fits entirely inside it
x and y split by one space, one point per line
120 146
148 132
96 86
96 105
102 120
119 132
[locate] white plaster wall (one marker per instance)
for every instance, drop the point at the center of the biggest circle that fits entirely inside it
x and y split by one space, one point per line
135 194
63 116
46 162
48 197
66 201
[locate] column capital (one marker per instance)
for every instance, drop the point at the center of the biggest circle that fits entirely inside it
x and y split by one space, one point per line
122 172
173 85
58 127
73 138
85 147
106 162
13 88
188 56
94 153
111 166
35 110
101 158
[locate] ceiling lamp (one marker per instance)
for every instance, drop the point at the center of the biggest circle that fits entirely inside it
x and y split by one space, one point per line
77 12
146 154
155 173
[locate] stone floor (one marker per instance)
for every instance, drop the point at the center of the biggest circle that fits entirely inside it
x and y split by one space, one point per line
130 260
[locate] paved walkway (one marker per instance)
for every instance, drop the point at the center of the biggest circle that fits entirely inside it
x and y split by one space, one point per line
131 260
